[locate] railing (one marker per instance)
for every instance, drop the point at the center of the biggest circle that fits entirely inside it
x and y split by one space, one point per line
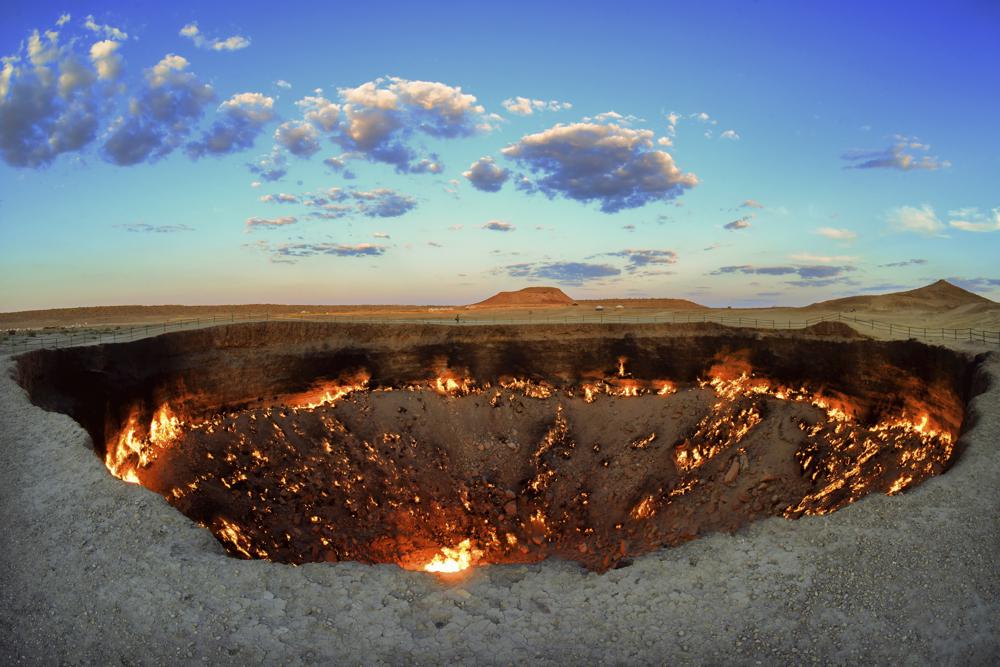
32 340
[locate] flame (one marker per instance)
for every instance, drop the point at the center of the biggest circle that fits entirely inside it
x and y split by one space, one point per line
131 451
621 366
454 560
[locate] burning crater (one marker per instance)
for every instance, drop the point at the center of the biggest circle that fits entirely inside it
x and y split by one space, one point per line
441 448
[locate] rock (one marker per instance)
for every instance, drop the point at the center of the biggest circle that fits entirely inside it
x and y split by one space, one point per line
510 508
734 470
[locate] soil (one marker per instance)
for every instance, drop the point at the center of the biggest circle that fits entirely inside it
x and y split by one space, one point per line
98 571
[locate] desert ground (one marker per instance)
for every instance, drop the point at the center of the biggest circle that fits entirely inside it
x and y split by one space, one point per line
99 571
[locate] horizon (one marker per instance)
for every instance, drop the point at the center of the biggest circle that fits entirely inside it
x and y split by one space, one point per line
782 156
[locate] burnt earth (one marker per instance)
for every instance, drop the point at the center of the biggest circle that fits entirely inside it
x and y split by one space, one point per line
399 468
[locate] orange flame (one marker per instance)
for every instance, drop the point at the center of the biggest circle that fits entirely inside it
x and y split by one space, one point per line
454 560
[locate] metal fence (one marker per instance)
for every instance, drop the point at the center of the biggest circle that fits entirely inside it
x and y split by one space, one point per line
34 340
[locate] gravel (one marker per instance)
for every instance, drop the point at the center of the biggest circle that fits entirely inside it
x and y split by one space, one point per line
97 571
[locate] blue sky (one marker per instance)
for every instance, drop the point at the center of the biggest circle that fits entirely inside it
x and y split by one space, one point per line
731 153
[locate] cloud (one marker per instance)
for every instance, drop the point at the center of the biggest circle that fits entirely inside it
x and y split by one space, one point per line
383 203
297 250
609 164
244 116
171 101
63 20
900 155
837 234
499 226
918 220
49 101
809 272
154 229
108 31
905 262
822 259
739 223
380 235
280 198
298 137
270 222
977 284
641 259
730 134
271 167
106 61
234 43
377 119
570 273
972 220
281 83
751 203
525 106
486 175
614 117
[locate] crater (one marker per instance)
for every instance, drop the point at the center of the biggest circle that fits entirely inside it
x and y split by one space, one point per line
439 448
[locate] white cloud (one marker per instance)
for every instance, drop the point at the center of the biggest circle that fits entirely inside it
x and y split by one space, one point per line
612 165
730 134
486 175
108 31
525 106
234 43
107 63
253 223
298 138
972 220
918 220
837 234
900 155
281 83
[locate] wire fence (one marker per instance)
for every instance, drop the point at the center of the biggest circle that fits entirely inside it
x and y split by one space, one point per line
23 341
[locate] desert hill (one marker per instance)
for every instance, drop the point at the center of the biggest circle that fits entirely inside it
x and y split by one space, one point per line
941 295
529 296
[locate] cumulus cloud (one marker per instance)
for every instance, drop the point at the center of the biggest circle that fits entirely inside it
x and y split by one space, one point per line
486 175
739 223
243 117
376 120
905 154
90 24
105 59
569 273
234 43
298 138
383 203
905 262
272 167
642 259
499 226
525 106
49 103
837 234
284 220
732 135
171 101
280 198
972 220
281 83
916 219
154 229
612 165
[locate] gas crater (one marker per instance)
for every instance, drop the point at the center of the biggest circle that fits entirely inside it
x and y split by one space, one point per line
442 448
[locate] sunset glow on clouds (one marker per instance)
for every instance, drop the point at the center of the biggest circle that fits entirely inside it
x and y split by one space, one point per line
207 157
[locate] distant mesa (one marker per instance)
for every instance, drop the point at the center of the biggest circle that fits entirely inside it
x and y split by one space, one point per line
941 295
529 296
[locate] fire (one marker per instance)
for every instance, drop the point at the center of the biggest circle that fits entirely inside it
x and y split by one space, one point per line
454 560
132 451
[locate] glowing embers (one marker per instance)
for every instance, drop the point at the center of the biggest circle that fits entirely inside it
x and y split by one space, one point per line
137 447
446 474
454 560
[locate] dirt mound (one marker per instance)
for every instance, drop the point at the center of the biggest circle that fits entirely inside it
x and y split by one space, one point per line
529 296
941 295
839 329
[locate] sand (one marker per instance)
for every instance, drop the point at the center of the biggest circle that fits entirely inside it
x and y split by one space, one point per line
97 571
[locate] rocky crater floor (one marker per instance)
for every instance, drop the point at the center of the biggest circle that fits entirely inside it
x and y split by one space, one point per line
97 570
